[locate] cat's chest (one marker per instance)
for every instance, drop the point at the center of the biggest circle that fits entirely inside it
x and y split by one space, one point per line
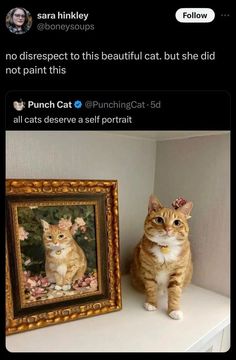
171 256
162 278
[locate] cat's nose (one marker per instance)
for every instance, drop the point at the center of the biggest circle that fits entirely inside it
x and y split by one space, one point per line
168 229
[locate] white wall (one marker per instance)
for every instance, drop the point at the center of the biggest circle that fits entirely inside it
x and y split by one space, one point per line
90 155
199 170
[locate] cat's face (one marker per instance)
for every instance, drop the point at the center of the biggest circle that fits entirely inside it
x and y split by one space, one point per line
54 237
165 226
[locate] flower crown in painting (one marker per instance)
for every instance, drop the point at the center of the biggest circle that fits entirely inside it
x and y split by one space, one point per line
65 224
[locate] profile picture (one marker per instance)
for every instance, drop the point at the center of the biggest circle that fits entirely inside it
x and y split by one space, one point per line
18 20
19 105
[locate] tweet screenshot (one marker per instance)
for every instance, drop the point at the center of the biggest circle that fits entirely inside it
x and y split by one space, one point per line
116 136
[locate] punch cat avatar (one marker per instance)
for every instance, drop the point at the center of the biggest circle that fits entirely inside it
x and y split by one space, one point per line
65 261
162 259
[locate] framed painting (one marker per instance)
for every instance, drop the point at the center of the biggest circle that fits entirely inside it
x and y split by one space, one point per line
62 251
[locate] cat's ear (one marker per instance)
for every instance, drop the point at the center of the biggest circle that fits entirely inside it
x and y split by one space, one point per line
154 204
45 225
186 209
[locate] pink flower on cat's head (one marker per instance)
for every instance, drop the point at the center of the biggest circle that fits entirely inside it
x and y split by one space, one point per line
65 224
177 203
23 235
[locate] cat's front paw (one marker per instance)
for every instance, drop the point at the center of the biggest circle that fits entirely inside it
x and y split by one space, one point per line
66 287
58 287
149 307
176 314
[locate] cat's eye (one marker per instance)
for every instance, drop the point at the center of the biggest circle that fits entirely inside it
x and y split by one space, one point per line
159 220
177 222
61 236
49 237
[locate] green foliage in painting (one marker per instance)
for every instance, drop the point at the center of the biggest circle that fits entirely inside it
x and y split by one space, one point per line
31 234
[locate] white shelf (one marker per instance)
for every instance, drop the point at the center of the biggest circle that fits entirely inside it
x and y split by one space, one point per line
133 329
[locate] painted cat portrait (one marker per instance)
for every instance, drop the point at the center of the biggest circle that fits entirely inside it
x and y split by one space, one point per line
162 260
65 261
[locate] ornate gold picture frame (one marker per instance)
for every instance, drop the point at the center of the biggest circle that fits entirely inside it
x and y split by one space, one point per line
62 251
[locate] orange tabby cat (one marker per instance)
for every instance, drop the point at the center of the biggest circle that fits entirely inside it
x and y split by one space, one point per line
65 261
162 259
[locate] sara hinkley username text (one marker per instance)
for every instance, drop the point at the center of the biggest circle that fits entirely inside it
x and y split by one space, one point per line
45 26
